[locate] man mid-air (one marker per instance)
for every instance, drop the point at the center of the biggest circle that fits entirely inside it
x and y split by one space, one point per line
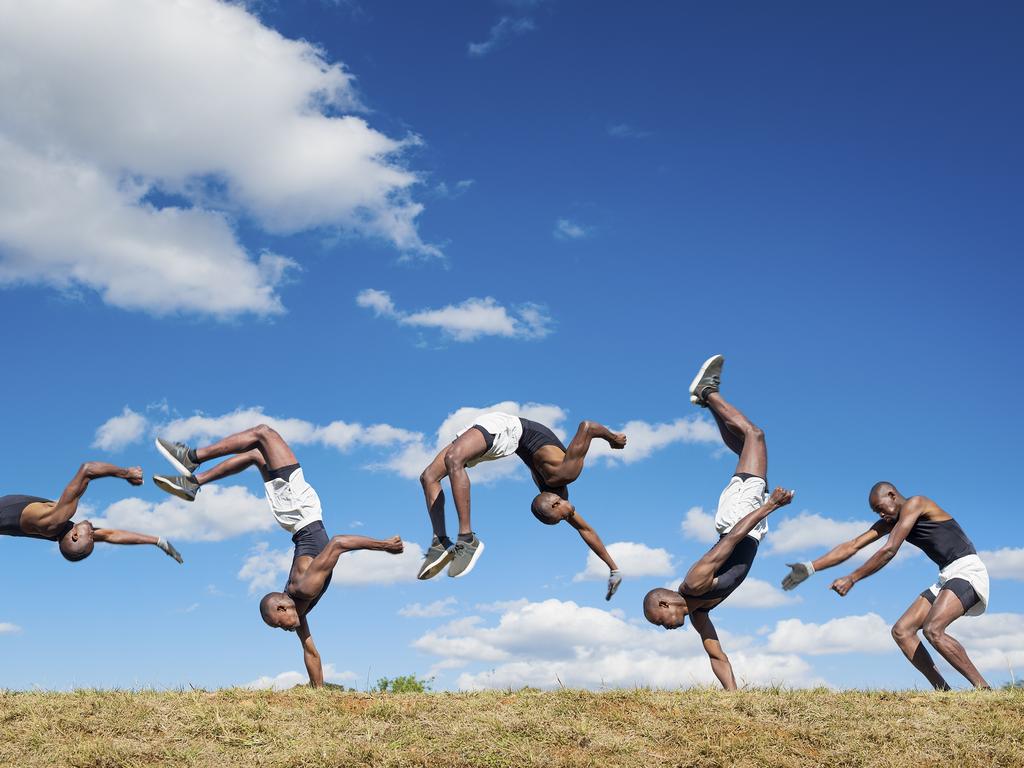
39 518
739 521
553 467
295 505
961 588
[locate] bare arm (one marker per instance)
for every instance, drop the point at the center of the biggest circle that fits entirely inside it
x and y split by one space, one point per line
848 549
310 655
113 536
720 663
911 511
311 583
67 504
576 452
589 535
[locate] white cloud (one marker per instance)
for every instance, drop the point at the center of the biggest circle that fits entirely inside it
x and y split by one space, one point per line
569 230
544 643
868 633
809 534
755 593
633 560
466 321
219 512
116 104
266 569
1005 563
432 610
502 32
626 131
117 432
286 680
994 641
699 526
6 628
645 438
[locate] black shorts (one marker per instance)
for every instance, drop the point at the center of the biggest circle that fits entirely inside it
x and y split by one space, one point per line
282 473
959 587
488 437
311 541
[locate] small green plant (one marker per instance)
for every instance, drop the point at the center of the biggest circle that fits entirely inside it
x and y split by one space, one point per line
404 684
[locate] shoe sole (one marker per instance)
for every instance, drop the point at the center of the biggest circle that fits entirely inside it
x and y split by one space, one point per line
171 488
172 460
700 375
430 570
472 562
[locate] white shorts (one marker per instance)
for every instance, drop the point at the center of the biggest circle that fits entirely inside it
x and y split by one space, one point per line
507 430
739 499
294 502
973 571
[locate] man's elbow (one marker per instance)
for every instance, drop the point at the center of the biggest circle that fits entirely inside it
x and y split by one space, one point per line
887 553
88 469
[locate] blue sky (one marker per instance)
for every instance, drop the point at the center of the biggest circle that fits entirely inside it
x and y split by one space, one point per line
566 204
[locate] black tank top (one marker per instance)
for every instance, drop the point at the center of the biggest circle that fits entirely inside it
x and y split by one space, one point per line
732 573
536 436
11 508
942 542
310 542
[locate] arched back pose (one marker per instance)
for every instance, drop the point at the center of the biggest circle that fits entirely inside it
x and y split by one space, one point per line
494 436
297 509
739 521
39 518
961 588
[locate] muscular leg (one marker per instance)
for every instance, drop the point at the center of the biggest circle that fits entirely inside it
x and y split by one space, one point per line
732 441
234 465
701 575
470 445
904 632
946 609
268 442
430 479
753 451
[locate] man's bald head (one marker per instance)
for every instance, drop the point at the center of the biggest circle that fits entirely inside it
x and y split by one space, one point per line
886 500
665 608
880 489
278 610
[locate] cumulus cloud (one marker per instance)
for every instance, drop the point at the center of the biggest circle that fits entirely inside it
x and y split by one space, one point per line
699 526
646 438
994 641
546 643
755 593
633 560
6 628
1005 563
570 230
265 568
117 432
432 610
868 633
466 321
504 30
809 534
286 680
137 130
219 512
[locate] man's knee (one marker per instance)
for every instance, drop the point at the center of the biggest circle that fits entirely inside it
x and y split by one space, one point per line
454 460
901 633
934 631
753 432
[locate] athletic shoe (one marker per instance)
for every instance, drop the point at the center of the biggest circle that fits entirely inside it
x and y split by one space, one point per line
466 554
177 454
707 380
438 556
183 486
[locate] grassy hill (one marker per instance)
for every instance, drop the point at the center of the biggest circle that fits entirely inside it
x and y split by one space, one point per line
637 728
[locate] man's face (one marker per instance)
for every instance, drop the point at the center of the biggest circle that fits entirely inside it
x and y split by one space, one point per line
81 531
560 509
285 617
668 616
886 507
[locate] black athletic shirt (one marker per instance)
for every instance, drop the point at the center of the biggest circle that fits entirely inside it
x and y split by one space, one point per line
942 542
11 508
311 541
536 436
730 575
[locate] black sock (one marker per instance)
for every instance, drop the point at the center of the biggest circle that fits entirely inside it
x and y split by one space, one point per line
466 536
193 456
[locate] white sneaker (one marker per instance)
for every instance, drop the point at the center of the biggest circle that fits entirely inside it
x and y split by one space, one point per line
708 378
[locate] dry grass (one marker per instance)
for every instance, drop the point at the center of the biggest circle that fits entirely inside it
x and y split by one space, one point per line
90 729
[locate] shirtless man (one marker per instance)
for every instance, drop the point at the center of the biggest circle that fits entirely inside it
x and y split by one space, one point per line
297 509
739 521
961 588
493 436
39 518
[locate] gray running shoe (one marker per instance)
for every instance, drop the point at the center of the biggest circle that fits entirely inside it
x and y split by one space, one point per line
177 454
438 556
183 486
707 380
466 555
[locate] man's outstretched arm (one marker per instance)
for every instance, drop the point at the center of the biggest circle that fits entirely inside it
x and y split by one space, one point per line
311 583
310 655
114 536
800 572
909 515
720 663
576 452
589 535
67 504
